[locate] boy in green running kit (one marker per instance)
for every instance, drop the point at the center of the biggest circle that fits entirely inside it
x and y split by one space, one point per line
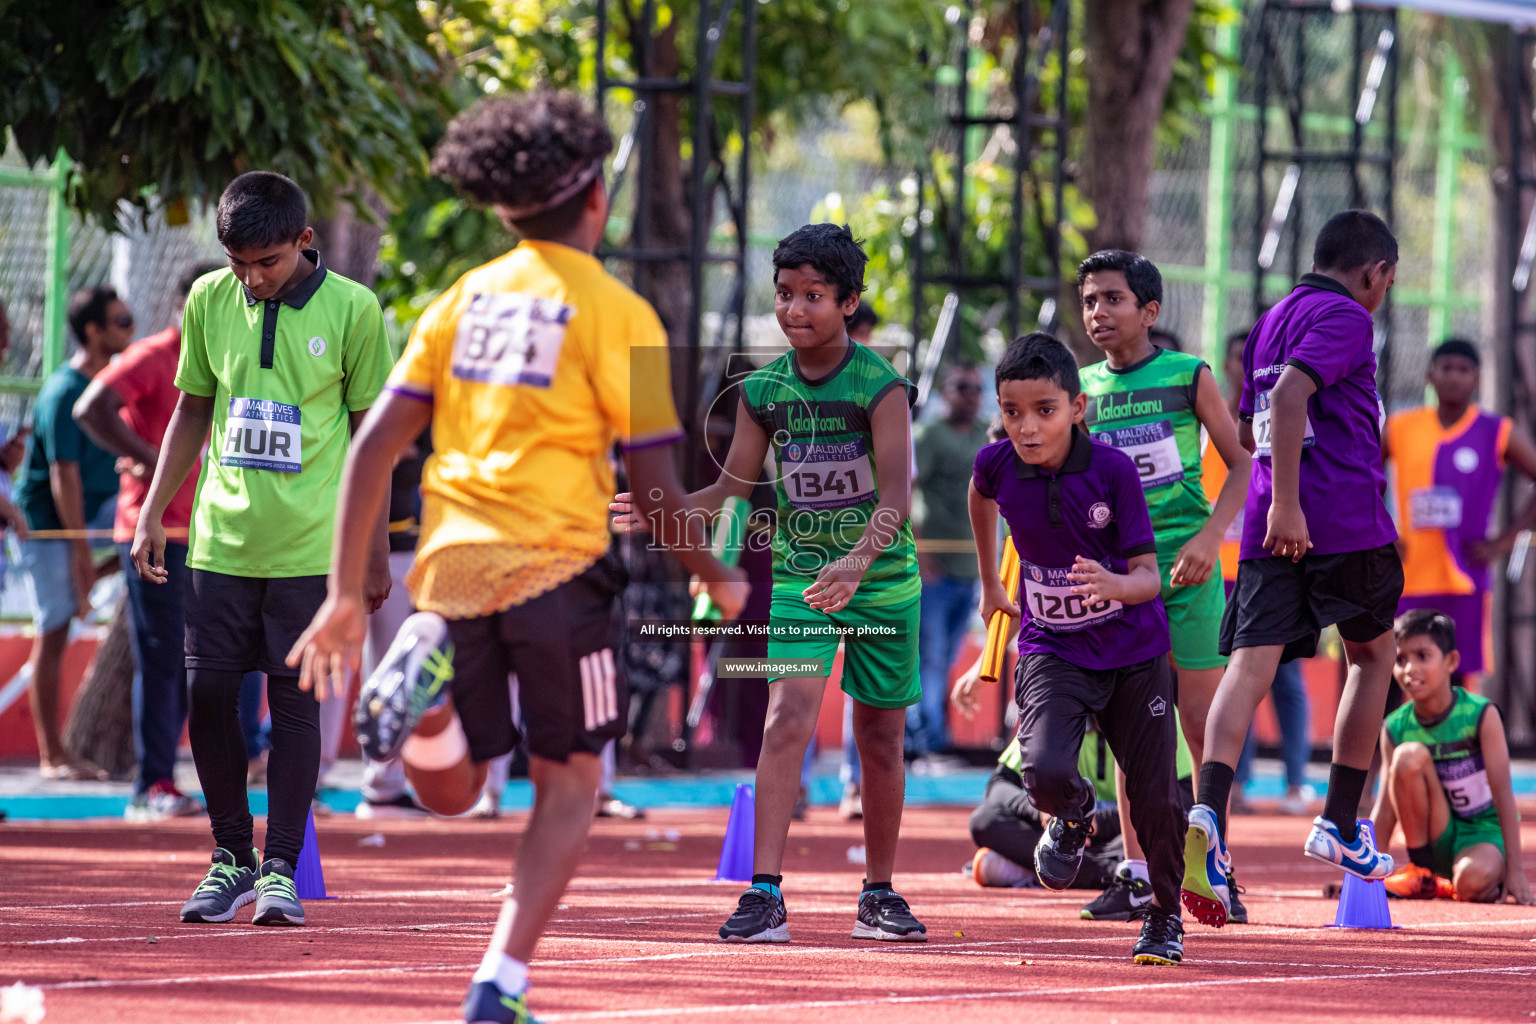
838 419
1153 404
1447 776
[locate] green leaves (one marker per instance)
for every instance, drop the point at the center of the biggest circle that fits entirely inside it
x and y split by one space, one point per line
176 97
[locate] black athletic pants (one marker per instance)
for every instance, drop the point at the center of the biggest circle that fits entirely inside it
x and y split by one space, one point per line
1007 822
236 624
218 748
1134 707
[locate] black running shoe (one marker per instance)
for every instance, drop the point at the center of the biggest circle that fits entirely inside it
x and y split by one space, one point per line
1125 898
1162 938
1237 913
487 1004
760 917
884 915
224 890
1059 853
277 899
412 678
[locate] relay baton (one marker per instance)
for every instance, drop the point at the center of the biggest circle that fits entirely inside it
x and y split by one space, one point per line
730 534
997 628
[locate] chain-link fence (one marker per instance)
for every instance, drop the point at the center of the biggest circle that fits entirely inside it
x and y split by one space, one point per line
144 261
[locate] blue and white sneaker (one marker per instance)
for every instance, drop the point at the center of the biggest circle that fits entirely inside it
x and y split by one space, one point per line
412 679
1358 858
1206 866
487 1004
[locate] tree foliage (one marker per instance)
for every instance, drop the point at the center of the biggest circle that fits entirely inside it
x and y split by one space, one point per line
173 98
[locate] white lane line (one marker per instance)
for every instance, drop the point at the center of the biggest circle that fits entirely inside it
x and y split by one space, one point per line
1364 974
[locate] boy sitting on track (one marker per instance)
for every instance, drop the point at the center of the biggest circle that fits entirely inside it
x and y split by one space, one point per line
1318 546
1095 637
1153 404
526 369
838 418
1447 777
281 359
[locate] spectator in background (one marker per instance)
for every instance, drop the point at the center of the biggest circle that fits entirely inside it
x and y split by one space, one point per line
69 483
12 451
946 451
1288 693
125 410
861 326
1166 339
1450 460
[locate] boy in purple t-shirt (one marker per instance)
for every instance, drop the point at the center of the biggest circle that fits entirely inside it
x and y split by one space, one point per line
1094 636
1318 545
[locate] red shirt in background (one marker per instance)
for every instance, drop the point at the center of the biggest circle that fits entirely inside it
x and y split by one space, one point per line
142 377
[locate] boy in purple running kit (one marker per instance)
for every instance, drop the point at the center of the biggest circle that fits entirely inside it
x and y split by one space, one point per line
1318 545
1094 637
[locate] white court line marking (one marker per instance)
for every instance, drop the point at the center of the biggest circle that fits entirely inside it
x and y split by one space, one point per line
206 932
1036 993
710 951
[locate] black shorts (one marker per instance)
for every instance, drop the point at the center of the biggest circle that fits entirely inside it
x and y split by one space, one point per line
1279 602
245 623
566 649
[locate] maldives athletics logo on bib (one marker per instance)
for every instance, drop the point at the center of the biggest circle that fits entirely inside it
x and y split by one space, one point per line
1099 515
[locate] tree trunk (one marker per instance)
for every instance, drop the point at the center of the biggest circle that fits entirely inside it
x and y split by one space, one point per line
349 243
1130 50
1485 55
100 725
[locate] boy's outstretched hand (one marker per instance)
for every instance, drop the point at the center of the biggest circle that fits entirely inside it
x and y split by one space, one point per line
963 696
1517 889
1095 581
994 598
627 519
835 585
330 651
1195 560
1287 535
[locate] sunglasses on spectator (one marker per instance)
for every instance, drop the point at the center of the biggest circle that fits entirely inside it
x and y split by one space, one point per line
966 387
124 320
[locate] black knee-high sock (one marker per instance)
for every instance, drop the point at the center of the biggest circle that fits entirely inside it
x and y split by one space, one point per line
218 750
1214 789
1345 786
293 768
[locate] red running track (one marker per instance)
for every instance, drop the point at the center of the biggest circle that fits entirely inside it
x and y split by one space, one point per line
88 912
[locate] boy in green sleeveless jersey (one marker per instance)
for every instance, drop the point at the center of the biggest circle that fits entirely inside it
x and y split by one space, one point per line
838 420
1447 779
1153 404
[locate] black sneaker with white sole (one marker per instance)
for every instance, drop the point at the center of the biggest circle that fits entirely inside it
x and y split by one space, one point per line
1162 938
1125 898
1059 853
277 899
223 891
1237 913
760 917
884 915
413 678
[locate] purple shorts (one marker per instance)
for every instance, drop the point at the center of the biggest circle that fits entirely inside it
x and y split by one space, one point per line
1470 613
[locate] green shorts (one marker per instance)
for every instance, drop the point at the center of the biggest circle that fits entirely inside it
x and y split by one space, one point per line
1458 835
1194 619
878 671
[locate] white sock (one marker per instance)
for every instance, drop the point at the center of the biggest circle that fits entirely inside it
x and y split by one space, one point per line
438 752
1136 869
509 975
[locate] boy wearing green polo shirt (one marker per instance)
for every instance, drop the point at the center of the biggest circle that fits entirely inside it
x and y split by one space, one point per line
281 359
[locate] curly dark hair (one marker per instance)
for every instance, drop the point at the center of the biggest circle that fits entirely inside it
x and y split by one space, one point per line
832 250
515 151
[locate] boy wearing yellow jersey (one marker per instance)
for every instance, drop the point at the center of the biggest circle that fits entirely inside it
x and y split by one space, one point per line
527 369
